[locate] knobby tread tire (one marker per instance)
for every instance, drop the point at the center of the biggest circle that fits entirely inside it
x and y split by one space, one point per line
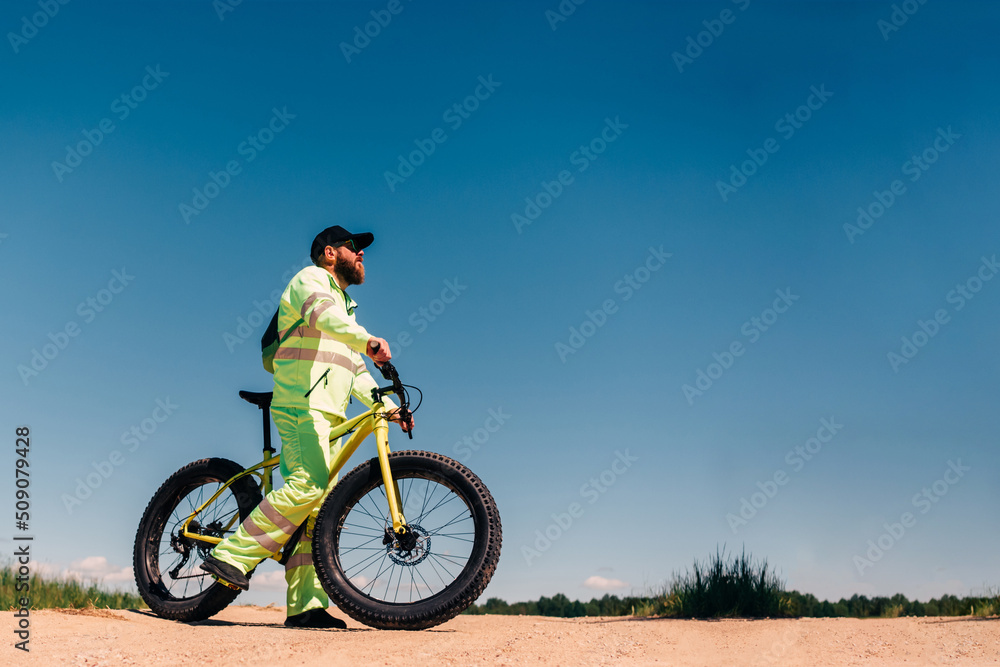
441 607
214 598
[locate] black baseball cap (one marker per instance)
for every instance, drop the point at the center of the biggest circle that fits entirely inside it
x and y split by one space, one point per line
336 235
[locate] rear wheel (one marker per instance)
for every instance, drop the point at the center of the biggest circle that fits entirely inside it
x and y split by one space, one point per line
167 564
424 578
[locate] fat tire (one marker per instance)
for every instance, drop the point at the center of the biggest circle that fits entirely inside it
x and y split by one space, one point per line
446 604
214 598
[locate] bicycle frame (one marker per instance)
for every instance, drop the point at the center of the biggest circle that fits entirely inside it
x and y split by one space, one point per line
374 420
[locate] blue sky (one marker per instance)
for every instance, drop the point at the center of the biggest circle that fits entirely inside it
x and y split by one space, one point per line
839 104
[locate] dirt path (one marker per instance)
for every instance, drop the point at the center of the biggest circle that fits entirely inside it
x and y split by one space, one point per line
255 635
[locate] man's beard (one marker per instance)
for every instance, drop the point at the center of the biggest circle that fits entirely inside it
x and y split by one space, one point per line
349 269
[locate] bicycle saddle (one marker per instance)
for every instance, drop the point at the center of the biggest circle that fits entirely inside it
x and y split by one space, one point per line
261 399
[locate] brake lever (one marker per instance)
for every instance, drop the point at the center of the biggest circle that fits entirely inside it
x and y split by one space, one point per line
388 372
405 416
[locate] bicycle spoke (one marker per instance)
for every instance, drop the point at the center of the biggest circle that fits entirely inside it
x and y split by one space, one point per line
448 559
354 525
402 576
366 562
380 520
419 574
454 537
439 558
463 513
442 502
363 547
427 498
406 496
381 570
444 584
399 580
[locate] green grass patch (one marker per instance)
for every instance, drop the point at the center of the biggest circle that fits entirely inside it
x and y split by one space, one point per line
62 593
726 587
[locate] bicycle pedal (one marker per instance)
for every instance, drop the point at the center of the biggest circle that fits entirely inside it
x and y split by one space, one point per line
226 583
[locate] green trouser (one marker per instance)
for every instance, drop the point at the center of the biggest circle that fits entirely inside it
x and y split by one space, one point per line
306 452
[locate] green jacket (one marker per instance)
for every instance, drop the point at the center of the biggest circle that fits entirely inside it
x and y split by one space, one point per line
320 364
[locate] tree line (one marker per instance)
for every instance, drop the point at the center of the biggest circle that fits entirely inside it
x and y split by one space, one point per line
794 604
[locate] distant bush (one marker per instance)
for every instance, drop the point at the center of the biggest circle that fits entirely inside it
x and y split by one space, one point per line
725 588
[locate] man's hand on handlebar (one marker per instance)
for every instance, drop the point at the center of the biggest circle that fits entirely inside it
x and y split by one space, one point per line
378 350
396 416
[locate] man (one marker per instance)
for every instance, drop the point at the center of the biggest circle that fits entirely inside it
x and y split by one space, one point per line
317 367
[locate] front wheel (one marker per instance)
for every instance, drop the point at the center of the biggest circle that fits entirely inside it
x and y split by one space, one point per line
421 579
166 563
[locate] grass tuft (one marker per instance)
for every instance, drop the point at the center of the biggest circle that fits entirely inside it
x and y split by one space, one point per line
62 593
726 587
989 605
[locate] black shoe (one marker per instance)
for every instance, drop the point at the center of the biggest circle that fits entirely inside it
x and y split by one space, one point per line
315 618
226 572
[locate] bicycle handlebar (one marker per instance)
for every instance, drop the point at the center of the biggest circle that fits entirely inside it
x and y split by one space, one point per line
389 373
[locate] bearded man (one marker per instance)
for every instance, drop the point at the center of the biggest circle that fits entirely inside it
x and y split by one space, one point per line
317 368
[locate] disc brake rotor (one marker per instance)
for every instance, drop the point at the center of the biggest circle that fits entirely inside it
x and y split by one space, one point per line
410 548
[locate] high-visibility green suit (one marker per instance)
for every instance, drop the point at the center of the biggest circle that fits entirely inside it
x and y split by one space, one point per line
317 367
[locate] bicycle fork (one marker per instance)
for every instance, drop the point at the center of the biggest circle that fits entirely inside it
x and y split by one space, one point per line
391 487
378 424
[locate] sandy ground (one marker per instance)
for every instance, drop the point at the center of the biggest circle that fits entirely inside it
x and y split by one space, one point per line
255 635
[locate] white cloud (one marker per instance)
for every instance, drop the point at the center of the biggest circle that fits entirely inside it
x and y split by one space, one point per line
92 569
273 580
602 584
93 566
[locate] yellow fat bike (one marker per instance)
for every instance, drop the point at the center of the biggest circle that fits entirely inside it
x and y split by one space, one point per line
405 541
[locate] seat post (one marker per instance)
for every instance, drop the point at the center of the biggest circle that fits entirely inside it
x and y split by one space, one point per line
263 401
268 450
